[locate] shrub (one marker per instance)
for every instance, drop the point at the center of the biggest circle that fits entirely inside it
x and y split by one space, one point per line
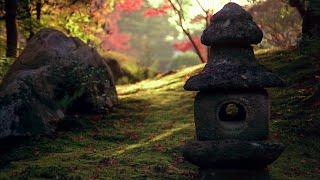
131 70
183 60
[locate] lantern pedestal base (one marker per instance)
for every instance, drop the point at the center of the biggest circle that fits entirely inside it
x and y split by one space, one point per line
236 154
234 174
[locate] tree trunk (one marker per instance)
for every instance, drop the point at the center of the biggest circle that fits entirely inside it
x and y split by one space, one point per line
311 21
207 25
30 25
11 27
38 9
310 15
196 48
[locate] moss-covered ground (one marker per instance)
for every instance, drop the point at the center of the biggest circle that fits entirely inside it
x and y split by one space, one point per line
143 137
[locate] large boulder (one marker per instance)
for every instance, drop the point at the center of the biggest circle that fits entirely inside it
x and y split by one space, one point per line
54 74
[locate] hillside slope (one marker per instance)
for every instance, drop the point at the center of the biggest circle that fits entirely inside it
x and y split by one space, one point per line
144 135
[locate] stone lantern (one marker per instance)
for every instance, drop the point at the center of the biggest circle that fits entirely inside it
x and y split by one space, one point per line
232 107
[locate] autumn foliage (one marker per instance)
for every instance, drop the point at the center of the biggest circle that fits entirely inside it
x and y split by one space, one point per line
129 5
186 45
114 39
162 10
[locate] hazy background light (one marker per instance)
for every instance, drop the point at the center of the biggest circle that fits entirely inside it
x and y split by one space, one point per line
215 5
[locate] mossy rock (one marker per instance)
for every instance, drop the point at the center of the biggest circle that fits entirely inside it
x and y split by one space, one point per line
54 74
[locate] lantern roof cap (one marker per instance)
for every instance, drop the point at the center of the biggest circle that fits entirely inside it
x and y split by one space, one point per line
232 25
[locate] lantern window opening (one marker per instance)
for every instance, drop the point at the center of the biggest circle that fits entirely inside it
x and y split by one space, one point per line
232 112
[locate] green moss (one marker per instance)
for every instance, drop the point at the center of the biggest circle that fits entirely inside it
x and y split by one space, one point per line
143 137
48 172
5 63
132 71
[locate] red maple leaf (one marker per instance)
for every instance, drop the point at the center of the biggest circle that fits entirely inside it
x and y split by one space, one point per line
183 46
160 11
129 5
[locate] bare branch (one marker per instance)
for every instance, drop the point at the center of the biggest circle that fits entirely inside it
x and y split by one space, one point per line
181 9
203 9
186 31
178 12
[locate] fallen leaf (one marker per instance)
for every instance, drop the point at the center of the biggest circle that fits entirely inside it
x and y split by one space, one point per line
159 147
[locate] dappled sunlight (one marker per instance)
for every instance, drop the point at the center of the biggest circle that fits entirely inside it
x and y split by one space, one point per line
159 137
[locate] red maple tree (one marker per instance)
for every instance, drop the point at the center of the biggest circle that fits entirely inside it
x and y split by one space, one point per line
114 39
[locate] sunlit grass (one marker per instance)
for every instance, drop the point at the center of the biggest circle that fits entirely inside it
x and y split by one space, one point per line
152 84
157 138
